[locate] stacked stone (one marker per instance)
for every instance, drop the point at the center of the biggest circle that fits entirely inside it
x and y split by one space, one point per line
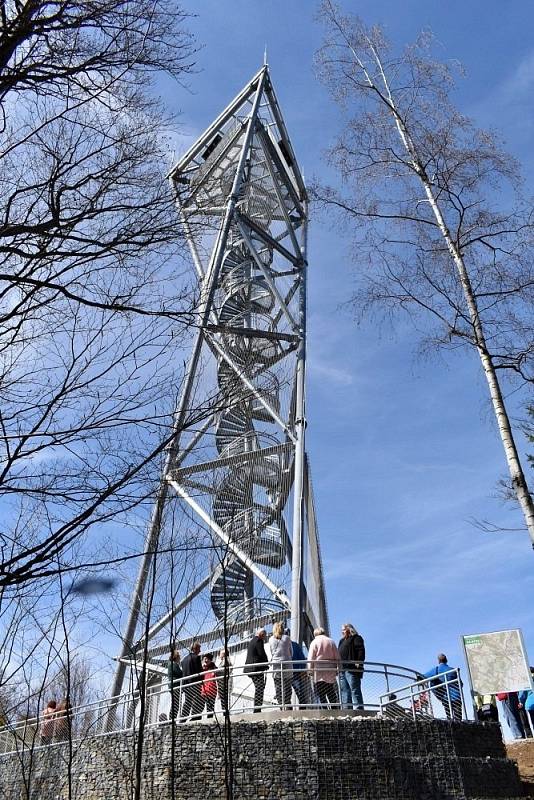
320 759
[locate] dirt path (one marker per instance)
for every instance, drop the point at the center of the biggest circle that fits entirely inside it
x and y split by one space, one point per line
522 751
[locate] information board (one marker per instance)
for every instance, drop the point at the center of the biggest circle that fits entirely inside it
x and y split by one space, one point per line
497 662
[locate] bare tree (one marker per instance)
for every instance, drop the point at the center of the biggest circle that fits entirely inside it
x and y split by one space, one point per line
93 306
423 195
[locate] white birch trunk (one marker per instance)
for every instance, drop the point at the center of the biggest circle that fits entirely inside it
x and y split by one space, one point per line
517 475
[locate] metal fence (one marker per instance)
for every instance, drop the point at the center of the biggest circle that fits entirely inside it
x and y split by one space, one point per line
427 697
386 689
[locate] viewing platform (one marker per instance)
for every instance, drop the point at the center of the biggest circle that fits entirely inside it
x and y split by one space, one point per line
400 746
389 690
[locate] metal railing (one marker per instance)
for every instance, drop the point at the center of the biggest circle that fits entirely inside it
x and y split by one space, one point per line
427 697
386 689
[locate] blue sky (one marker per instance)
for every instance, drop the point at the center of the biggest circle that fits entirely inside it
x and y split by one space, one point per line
404 450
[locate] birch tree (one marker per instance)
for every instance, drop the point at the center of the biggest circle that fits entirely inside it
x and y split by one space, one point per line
433 206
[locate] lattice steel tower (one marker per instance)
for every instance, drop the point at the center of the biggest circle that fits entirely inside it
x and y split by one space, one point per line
241 478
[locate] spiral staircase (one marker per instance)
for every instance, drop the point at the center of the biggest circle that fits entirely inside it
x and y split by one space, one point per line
257 527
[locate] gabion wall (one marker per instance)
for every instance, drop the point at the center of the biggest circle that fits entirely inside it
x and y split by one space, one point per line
336 759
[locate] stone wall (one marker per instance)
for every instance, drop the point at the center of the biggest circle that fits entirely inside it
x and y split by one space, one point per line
293 759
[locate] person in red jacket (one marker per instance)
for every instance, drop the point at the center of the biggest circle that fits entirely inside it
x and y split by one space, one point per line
208 688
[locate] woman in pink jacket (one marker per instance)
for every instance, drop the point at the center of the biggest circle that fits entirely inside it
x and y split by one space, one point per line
323 659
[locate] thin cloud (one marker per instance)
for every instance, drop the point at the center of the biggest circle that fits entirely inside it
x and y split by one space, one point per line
320 369
416 565
504 99
521 82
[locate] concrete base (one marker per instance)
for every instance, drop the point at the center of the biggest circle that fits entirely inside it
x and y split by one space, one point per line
305 713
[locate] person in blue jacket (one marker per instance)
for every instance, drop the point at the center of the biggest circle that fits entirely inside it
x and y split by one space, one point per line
301 681
526 699
446 687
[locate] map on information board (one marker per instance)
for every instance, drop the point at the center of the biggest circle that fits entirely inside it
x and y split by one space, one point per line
497 662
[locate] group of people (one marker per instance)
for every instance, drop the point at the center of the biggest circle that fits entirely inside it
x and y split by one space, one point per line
335 669
336 673
517 709
329 676
196 682
55 722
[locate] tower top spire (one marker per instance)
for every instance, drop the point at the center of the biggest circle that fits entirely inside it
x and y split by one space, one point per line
265 56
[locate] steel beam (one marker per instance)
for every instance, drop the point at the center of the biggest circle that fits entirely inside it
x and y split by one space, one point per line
300 430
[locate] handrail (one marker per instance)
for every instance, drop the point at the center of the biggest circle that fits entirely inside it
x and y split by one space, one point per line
236 690
443 685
